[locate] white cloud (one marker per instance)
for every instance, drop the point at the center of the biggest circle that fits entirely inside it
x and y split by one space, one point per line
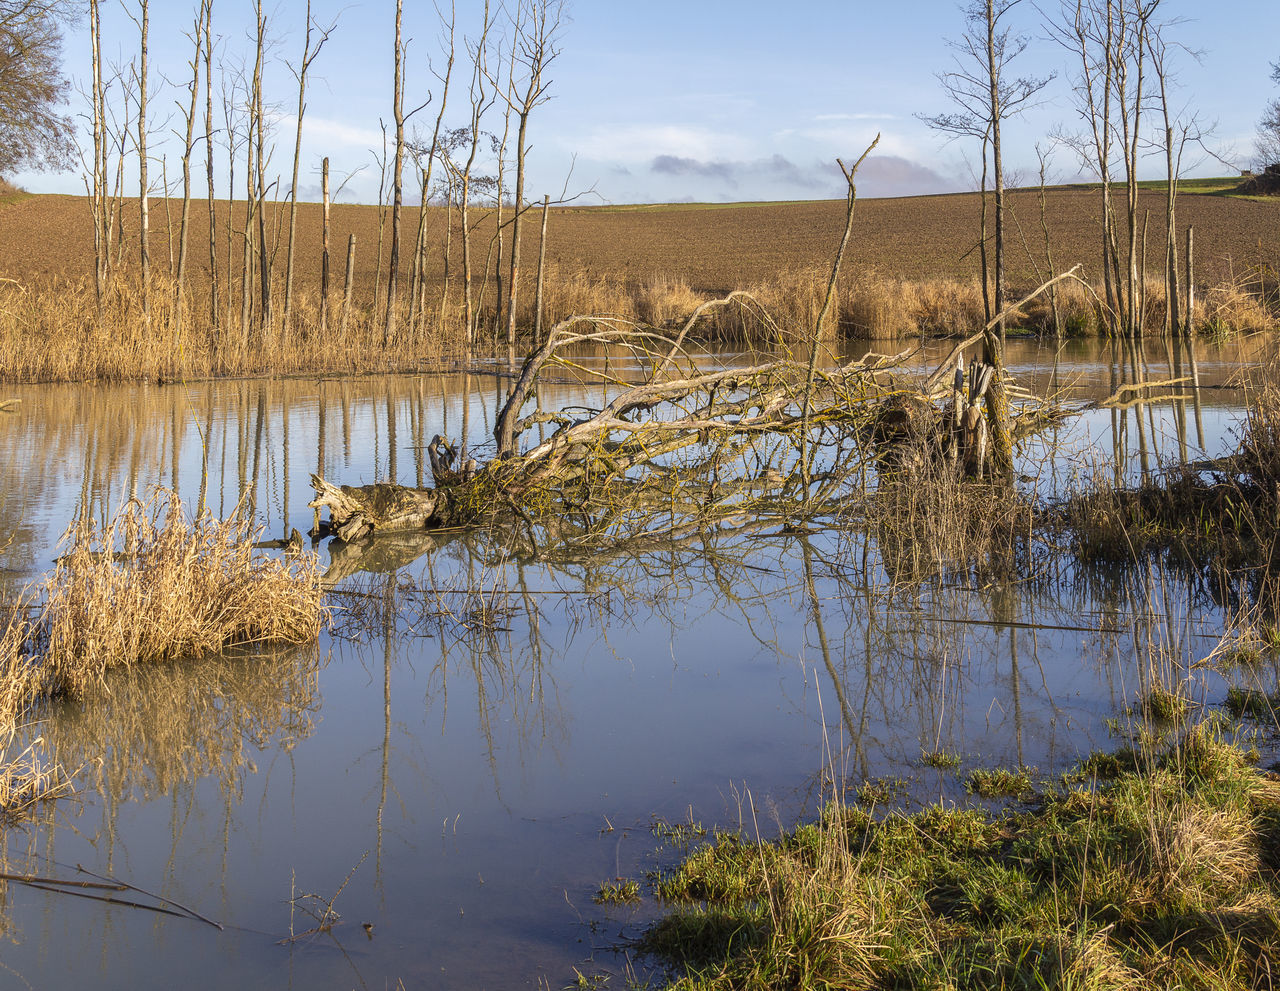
642 142
326 133
830 117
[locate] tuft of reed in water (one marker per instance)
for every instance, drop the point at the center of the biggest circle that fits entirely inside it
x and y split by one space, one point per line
153 585
150 586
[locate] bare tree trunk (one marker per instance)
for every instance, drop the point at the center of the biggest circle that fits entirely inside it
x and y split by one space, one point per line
1188 327
542 265
346 291
538 31
98 205
324 248
997 114
143 220
448 250
397 187
260 189
189 145
246 273
382 221
297 155
419 252
208 139
983 253
481 101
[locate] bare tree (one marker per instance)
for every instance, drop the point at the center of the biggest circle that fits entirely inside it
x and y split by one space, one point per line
208 142
482 98
98 193
985 95
397 182
199 31
1111 40
417 304
144 25
1267 142
537 36
259 193
309 55
1180 128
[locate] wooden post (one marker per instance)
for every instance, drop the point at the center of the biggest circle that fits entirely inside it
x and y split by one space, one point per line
324 248
542 261
1191 286
346 292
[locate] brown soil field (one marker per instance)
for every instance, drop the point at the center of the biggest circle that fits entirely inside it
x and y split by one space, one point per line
709 247
911 270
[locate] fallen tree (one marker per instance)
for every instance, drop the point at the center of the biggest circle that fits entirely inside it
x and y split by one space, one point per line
742 425
682 441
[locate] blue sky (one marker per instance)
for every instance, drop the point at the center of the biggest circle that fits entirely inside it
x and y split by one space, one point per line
711 100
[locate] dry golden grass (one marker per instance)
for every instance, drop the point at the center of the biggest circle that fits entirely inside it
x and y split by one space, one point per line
910 270
150 586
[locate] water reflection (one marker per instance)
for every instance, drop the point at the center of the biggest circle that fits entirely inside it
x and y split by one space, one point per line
495 728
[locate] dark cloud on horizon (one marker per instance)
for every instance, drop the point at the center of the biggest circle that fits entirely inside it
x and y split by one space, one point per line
733 174
881 175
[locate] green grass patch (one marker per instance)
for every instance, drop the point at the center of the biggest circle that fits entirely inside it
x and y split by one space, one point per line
1164 705
944 760
999 782
1153 870
620 891
882 791
1249 703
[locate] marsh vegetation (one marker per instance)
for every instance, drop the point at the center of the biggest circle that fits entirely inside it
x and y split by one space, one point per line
480 685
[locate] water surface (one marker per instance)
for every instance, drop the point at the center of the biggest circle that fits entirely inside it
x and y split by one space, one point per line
481 741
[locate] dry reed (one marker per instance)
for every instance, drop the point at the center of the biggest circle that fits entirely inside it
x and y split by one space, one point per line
58 331
150 586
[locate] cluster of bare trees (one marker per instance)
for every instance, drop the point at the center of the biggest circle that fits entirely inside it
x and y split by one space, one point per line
470 166
1123 94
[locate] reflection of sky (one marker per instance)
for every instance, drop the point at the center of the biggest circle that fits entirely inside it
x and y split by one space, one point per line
482 774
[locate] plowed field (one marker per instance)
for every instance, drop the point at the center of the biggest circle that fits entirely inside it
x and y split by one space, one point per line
710 247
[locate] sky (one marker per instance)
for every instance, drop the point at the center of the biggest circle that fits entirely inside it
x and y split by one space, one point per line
687 100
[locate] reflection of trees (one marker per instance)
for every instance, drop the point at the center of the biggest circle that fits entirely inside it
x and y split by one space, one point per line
160 727
160 730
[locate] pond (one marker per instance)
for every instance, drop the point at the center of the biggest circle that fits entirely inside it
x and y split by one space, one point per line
481 741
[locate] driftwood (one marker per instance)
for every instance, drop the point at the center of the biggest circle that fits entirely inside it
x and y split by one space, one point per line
356 511
681 442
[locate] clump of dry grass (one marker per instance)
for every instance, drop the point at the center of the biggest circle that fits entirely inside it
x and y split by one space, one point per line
150 586
153 585
664 301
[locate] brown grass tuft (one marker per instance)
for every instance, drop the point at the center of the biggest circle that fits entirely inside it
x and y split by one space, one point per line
153 585
150 586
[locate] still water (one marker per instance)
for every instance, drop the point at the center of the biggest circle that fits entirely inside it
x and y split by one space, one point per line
480 742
